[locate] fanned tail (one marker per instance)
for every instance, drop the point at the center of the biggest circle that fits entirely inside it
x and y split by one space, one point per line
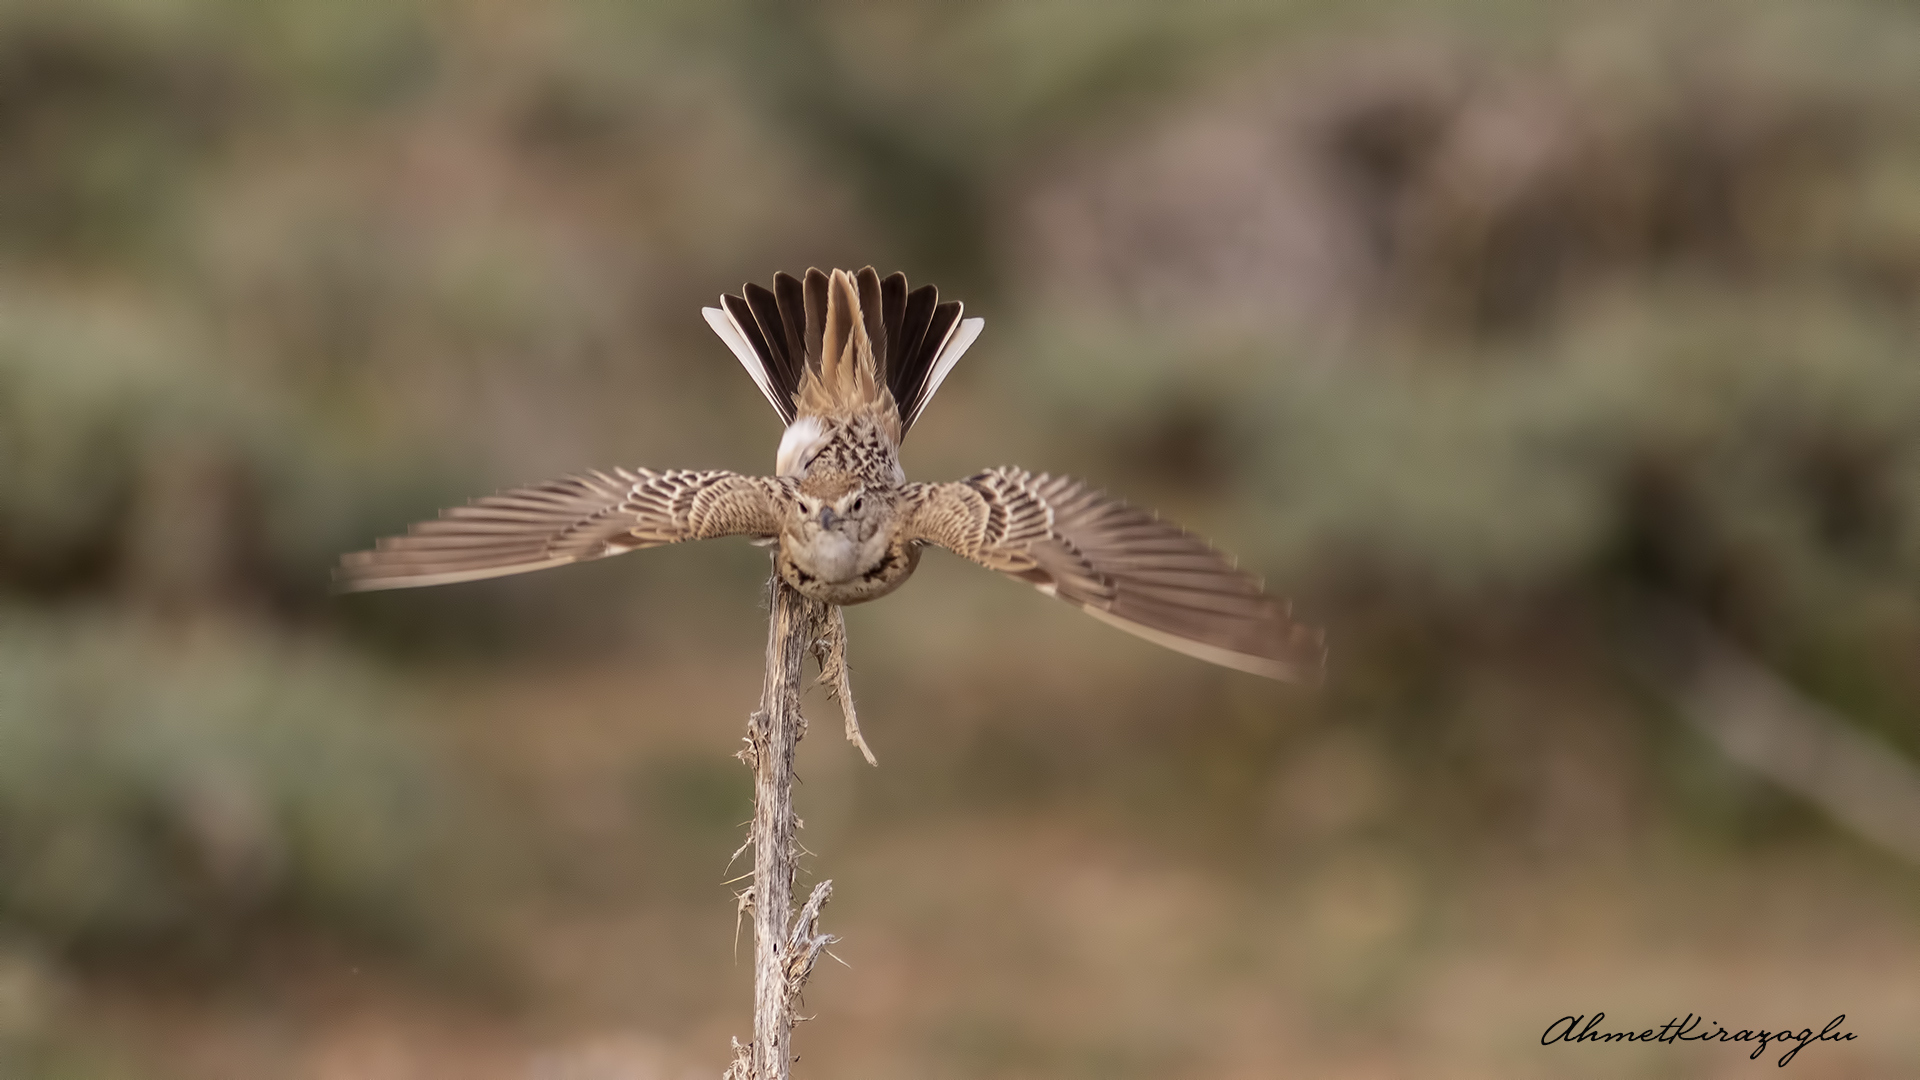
845 378
844 340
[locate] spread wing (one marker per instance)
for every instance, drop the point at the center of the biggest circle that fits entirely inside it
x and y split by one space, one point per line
1119 564
568 520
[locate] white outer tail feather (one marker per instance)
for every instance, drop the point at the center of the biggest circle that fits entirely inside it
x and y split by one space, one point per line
959 339
736 339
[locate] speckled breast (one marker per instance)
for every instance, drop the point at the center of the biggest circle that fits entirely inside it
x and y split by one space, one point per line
896 568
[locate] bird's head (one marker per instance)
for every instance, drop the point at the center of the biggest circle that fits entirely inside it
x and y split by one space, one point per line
836 528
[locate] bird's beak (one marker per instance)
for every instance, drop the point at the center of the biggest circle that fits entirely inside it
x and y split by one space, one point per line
826 517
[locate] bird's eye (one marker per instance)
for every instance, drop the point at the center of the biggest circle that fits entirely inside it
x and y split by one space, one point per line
857 500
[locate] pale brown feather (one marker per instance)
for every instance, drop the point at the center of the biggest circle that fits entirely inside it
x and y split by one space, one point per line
569 520
846 382
1118 563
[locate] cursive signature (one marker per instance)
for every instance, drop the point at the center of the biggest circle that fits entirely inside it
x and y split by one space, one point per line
1678 1030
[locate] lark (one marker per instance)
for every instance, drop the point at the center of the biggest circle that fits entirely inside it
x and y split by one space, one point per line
850 361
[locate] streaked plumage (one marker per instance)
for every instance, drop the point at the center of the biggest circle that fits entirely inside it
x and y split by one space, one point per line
850 361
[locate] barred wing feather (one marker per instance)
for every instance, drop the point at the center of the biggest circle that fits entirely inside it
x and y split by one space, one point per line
569 520
1121 565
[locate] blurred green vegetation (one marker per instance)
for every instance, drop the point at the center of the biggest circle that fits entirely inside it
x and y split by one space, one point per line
1481 329
197 782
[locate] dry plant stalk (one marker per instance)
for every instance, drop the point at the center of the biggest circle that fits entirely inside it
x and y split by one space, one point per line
784 946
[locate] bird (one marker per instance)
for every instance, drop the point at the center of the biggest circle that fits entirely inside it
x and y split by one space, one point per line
850 361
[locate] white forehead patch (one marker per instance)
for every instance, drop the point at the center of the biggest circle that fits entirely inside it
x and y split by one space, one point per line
802 440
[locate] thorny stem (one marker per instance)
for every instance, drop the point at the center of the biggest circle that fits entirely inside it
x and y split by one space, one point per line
784 948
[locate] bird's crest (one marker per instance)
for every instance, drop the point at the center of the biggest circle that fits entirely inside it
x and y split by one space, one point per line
841 342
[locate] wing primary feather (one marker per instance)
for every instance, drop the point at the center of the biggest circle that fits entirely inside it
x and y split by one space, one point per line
577 518
1118 563
1282 670
448 577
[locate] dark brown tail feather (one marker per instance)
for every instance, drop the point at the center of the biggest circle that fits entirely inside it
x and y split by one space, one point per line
872 309
816 314
786 327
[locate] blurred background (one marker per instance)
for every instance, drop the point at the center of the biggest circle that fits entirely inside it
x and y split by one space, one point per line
1559 359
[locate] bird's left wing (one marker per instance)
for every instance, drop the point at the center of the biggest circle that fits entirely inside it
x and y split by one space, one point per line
1120 564
568 520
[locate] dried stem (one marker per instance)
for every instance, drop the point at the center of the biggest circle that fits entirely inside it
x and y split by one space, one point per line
784 947
830 649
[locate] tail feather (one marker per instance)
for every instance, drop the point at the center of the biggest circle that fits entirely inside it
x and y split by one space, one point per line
914 318
844 379
873 308
958 342
893 316
816 316
792 298
857 335
847 354
786 353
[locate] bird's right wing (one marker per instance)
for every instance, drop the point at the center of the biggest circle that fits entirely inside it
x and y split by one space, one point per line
1120 564
568 520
